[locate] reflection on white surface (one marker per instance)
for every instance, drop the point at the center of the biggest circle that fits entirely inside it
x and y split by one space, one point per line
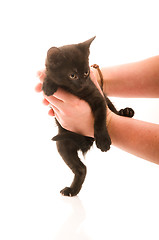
70 229
119 199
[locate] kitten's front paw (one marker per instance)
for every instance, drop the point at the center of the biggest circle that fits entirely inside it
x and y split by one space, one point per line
49 88
126 112
67 191
103 142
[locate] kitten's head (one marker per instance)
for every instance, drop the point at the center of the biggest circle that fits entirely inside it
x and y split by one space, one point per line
69 65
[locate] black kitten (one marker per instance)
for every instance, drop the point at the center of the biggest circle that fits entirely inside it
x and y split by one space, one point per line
67 67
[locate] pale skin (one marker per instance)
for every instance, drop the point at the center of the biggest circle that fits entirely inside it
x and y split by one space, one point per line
139 79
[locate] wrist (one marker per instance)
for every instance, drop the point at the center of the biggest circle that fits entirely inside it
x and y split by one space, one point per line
110 116
101 76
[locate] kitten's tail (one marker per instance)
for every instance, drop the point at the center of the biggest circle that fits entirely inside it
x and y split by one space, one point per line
83 143
72 136
63 136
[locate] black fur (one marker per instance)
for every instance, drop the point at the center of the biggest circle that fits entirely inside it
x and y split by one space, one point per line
67 67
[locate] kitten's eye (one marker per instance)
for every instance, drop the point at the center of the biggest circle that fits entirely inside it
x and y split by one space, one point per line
86 74
73 76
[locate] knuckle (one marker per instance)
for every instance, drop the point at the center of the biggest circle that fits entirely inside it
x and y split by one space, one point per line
77 102
63 123
65 113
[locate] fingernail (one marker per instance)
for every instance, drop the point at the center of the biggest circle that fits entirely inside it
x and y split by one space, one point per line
39 74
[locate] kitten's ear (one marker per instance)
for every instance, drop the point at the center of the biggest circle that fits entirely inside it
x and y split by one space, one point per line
85 45
54 56
88 42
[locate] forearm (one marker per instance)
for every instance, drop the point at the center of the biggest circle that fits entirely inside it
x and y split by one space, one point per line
138 79
136 137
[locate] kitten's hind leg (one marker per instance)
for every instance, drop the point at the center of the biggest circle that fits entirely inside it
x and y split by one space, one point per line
68 152
126 112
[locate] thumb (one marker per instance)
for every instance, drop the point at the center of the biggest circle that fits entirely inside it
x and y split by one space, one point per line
41 75
94 79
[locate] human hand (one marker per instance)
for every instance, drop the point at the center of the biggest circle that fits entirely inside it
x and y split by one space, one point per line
72 113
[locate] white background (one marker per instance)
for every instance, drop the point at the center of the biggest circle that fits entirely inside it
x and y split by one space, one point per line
119 199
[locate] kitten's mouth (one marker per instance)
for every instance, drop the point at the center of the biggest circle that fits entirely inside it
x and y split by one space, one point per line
78 84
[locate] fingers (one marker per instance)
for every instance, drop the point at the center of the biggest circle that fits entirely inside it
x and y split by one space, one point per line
55 102
41 75
51 112
64 96
94 79
92 76
60 94
45 102
38 87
